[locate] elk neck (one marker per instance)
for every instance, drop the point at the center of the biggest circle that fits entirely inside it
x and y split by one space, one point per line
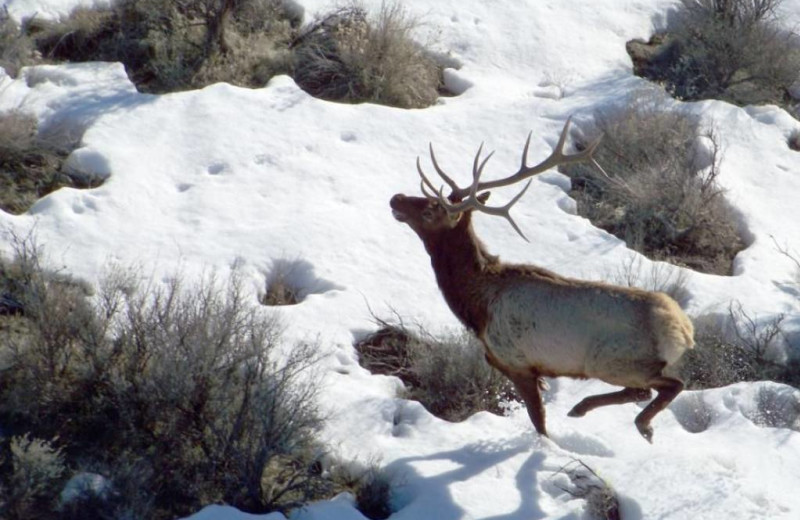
462 267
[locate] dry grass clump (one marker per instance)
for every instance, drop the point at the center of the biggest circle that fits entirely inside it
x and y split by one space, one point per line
170 394
289 281
17 49
345 55
168 46
658 277
734 50
34 468
81 36
660 196
349 56
282 286
30 166
373 493
777 407
582 482
449 375
735 348
794 140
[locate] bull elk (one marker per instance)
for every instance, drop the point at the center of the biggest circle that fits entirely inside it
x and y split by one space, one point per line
534 323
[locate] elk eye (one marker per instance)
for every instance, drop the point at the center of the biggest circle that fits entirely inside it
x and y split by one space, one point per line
428 213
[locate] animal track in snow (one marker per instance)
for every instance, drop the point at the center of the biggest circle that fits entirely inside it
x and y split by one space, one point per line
583 444
217 168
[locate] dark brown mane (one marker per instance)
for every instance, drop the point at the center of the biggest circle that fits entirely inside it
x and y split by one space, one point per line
456 255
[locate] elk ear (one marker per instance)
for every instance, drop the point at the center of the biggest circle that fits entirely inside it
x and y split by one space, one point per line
483 197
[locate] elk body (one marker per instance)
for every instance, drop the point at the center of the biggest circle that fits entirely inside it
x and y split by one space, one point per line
534 323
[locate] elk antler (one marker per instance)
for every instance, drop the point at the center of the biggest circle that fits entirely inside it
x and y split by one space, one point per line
454 203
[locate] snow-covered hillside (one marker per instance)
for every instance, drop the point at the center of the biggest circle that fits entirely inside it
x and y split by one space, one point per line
207 179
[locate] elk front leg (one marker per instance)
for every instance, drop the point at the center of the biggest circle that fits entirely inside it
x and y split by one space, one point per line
528 386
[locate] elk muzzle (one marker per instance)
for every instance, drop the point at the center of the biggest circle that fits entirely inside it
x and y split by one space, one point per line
400 209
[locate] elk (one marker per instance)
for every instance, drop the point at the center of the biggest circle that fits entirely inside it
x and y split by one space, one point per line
534 323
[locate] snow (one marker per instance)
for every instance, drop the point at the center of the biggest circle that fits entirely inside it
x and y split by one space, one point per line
226 176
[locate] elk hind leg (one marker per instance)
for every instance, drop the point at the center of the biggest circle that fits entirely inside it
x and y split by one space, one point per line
626 395
668 388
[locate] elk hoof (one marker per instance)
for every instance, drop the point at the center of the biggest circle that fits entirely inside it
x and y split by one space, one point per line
646 430
576 411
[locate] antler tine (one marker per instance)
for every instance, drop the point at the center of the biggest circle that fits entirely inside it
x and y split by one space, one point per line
524 166
425 182
425 192
477 170
503 211
556 158
444 176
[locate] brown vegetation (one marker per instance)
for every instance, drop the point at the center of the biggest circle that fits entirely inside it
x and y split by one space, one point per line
661 194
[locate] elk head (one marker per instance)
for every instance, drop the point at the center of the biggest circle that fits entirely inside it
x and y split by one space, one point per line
434 213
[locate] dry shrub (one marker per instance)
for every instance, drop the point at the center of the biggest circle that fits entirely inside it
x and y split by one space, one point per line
661 196
17 136
735 50
738 347
30 165
794 140
290 281
281 286
81 36
582 482
777 407
171 392
348 56
249 44
448 375
34 470
168 46
17 50
714 361
659 277
373 491
251 61
371 485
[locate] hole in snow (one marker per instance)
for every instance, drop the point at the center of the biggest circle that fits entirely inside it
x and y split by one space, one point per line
692 412
583 444
289 282
775 406
217 168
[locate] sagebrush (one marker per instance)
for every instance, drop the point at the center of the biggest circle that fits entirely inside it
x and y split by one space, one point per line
30 164
794 140
347 55
373 493
17 49
449 375
167 46
173 392
660 193
735 50
658 276
738 347
580 481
